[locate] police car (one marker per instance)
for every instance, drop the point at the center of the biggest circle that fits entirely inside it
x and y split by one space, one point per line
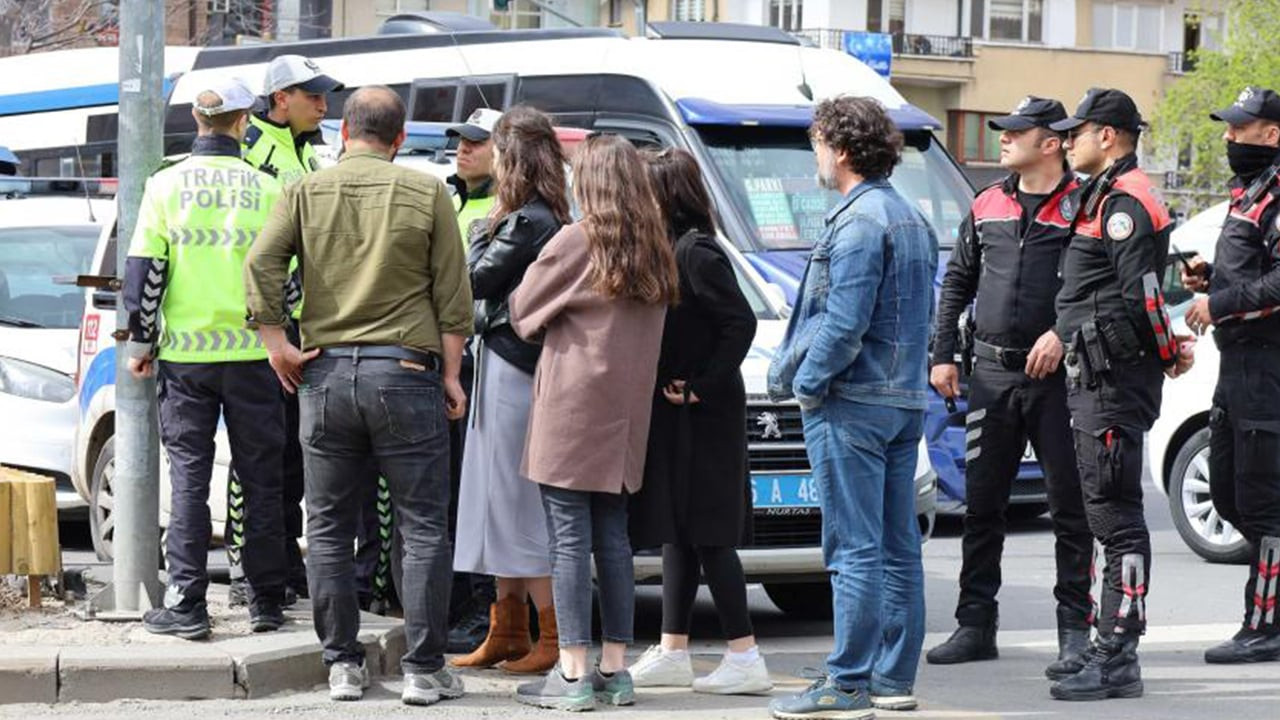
1178 443
93 457
48 233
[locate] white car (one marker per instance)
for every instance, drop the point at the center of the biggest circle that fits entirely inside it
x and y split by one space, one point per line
1178 444
46 233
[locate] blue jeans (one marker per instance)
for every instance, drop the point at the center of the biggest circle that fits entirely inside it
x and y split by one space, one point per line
864 460
581 524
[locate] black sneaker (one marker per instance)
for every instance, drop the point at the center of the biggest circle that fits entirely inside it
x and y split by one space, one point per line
266 617
1112 671
1248 646
238 594
187 621
967 644
470 631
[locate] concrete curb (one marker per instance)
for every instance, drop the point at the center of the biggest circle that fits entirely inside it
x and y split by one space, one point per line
251 666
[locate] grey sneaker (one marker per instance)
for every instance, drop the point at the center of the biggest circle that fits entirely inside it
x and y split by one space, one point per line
424 689
824 700
615 689
347 681
558 693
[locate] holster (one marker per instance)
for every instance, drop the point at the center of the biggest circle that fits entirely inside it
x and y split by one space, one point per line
1096 354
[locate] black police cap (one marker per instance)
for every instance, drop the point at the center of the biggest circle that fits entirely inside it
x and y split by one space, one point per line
1031 112
1253 103
1104 106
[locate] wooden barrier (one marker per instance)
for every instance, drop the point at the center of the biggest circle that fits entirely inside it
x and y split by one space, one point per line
28 529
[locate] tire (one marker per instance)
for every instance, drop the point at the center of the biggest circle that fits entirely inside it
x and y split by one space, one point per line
1025 512
1194 516
802 600
102 502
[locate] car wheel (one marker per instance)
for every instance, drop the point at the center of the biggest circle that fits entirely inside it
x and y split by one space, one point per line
1025 512
102 522
803 600
1198 522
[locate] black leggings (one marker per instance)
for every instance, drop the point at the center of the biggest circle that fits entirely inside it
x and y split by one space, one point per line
682 567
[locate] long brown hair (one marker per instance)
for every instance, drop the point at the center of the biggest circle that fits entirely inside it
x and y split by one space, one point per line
530 163
630 255
677 185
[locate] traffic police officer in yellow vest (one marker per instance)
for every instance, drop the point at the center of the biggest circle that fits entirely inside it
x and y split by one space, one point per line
279 143
279 140
184 292
474 179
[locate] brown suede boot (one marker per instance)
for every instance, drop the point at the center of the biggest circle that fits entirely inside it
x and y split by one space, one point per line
545 654
508 636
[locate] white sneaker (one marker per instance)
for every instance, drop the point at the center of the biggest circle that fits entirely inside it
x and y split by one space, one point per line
347 681
421 689
732 678
657 668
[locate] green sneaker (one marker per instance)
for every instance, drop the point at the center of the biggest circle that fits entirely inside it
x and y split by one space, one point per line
615 689
556 692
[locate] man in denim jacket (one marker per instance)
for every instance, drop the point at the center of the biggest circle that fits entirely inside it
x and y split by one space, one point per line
855 358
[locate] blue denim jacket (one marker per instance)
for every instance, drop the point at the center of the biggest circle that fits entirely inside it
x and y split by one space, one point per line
860 328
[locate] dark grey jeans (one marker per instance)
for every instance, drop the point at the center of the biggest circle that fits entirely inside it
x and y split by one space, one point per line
581 524
352 412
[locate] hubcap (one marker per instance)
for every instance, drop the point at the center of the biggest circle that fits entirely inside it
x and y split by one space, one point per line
1197 504
105 511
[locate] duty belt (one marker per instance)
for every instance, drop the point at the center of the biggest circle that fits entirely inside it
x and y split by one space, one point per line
1008 358
383 352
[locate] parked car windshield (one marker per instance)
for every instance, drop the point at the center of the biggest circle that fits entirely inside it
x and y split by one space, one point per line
770 174
30 258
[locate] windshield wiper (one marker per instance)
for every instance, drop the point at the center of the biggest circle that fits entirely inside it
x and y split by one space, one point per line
18 322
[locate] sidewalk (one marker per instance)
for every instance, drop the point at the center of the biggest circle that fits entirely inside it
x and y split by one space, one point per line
52 656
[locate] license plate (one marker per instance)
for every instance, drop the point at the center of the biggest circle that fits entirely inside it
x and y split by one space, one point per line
1029 454
769 492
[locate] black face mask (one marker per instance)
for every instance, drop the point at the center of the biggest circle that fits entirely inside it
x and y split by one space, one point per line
1248 161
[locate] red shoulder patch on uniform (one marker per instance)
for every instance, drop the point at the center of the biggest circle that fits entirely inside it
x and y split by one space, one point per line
1253 215
1138 186
1051 213
993 205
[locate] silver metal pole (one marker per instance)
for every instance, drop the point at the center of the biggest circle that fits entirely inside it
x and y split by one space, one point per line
135 585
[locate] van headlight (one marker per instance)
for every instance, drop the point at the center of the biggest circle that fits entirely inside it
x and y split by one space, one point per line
36 382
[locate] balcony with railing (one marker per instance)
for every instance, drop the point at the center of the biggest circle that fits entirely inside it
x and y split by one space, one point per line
904 44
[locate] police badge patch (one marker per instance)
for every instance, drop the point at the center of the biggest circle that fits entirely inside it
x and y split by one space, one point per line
1069 205
1119 226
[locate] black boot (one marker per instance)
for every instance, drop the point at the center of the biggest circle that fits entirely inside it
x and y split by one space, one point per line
470 631
1248 646
1112 671
188 620
1073 653
266 616
966 644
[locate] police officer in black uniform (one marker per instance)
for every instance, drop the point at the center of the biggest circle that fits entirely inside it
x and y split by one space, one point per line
1243 303
1112 319
1007 257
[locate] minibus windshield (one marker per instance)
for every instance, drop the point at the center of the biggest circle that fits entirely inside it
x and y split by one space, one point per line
770 175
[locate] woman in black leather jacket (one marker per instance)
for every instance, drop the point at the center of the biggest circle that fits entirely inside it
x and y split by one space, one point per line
503 528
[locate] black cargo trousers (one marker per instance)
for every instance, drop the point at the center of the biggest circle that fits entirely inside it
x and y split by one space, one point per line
1006 410
1244 467
1110 412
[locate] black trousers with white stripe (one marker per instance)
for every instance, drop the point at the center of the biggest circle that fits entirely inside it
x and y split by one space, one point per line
1006 410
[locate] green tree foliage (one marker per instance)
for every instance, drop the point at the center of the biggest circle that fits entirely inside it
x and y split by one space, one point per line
1250 55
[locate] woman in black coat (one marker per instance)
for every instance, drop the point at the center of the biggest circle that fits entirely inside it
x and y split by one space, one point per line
694 498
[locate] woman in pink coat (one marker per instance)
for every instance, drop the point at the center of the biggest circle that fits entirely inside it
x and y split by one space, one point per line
597 297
